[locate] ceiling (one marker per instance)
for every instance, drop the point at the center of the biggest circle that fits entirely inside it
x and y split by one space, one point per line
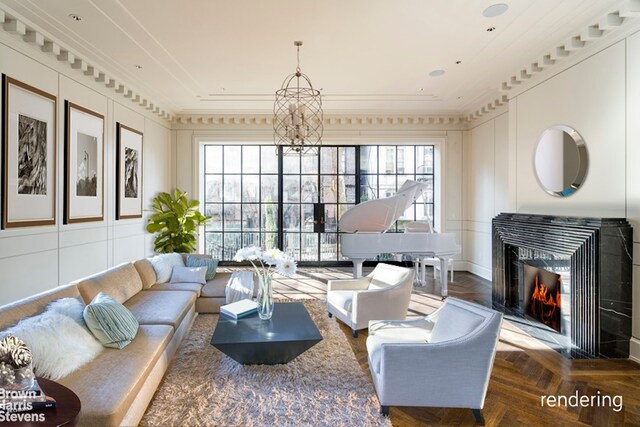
220 56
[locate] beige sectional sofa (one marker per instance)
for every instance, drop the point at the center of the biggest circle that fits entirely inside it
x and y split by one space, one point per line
116 387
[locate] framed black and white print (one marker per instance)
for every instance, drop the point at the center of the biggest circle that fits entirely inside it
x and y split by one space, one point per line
128 172
84 165
28 155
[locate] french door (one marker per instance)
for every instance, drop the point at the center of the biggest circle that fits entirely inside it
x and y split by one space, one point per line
256 196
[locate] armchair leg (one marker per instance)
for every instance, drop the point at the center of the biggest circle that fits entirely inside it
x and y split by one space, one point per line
330 315
384 411
477 414
354 333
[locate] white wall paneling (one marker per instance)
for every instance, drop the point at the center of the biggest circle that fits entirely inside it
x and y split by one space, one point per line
35 259
633 175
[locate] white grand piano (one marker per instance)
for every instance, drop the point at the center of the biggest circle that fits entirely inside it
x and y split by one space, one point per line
365 225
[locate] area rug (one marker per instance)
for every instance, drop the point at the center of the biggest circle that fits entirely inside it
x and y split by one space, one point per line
324 386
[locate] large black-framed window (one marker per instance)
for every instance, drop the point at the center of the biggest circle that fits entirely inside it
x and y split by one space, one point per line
256 197
242 197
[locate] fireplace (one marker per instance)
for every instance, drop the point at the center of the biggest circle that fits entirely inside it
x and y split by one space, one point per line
566 281
543 296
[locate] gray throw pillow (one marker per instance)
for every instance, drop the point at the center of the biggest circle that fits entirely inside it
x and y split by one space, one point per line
189 275
110 322
211 264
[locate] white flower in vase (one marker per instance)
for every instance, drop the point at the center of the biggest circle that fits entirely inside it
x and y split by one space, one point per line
272 256
286 267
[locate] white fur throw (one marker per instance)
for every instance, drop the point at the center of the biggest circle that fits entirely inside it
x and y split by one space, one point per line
58 343
71 307
163 265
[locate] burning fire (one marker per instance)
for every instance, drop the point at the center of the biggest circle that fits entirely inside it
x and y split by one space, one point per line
545 306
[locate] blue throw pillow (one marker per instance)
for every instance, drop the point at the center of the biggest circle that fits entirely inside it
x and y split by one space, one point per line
110 322
211 264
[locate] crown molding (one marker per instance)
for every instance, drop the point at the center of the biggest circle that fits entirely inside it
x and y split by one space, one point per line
25 32
346 121
588 40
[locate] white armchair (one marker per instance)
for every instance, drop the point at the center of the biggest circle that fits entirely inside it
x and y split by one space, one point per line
383 294
442 360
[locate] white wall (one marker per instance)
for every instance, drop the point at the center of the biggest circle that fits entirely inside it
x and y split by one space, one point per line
485 177
35 259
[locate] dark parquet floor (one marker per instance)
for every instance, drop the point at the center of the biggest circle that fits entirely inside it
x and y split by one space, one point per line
524 370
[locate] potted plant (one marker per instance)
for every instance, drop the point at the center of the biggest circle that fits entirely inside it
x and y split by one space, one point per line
176 220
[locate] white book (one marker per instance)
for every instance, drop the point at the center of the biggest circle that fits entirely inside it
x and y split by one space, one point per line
239 309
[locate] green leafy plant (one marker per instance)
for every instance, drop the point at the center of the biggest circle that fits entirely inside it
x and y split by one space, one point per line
176 220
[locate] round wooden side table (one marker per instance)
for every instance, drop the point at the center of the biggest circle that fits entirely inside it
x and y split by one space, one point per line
66 412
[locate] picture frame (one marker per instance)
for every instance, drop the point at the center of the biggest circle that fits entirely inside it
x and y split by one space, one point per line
29 155
84 165
129 163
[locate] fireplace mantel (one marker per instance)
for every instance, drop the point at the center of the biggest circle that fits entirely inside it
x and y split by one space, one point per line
600 250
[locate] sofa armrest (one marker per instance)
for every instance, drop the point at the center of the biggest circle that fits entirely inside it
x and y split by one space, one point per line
358 284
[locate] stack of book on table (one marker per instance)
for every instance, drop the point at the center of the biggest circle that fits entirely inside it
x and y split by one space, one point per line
22 400
239 309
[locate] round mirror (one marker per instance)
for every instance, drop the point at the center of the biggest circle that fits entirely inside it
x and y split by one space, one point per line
560 161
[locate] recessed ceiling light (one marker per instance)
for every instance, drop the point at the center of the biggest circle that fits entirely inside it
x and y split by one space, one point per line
421 89
436 73
458 62
490 29
459 97
75 17
495 10
139 67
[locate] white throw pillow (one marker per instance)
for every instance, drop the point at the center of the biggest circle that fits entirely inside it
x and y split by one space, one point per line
59 344
189 275
163 265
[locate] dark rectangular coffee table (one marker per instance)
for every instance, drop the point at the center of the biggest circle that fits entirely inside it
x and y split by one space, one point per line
252 341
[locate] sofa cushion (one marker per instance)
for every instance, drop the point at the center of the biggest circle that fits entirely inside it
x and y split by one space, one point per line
341 299
453 322
415 331
110 322
191 287
215 287
121 283
161 308
146 272
109 384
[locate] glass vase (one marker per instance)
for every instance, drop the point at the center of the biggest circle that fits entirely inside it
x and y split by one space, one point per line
265 297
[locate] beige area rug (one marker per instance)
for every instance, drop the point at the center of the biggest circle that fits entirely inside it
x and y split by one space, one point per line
324 386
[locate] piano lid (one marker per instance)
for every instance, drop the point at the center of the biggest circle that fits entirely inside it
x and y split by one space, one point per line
378 215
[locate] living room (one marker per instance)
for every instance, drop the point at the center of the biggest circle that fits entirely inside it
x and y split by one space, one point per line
466 100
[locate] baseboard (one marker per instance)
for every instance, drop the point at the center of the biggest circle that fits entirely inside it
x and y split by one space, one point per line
478 270
634 349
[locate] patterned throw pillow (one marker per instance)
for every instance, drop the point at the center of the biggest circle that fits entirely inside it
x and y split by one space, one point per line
211 264
110 322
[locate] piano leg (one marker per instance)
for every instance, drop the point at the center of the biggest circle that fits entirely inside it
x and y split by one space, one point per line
357 267
444 284
423 272
416 269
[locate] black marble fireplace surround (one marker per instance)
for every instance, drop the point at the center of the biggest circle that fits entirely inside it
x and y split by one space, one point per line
596 254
